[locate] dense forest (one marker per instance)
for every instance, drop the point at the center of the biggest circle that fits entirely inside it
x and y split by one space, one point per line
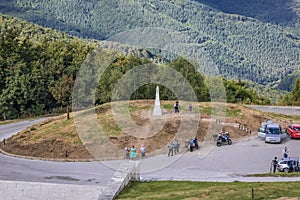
39 66
256 41
283 13
292 98
289 81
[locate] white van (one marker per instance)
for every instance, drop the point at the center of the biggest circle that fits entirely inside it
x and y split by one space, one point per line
274 133
262 129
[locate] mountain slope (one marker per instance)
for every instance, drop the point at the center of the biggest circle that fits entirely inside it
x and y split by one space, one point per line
230 45
285 13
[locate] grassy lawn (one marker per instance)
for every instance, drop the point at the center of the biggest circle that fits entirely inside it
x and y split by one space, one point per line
209 190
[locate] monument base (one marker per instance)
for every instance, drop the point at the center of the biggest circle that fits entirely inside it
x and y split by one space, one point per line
157 111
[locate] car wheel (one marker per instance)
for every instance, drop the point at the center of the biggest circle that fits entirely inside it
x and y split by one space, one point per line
286 169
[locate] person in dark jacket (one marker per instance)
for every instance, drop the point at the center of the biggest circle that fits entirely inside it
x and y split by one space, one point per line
274 164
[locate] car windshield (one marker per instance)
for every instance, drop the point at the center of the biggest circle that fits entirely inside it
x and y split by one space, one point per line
297 128
274 131
261 129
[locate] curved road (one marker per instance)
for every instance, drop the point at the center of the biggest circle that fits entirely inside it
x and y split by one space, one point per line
226 163
19 169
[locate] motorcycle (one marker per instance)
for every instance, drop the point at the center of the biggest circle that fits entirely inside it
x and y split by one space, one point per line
191 144
224 139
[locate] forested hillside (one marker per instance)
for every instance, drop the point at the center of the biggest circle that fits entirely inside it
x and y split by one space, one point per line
284 13
38 68
258 41
292 98
34 61
289 81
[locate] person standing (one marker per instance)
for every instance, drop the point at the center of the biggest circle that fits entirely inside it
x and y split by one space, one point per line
143 150
176 146
285 152
190 107
170 147
127 153
133 153
274 164
176 107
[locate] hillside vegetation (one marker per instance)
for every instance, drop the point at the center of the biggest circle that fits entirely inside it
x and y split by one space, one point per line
34 61
292 98
241 39
283 13
39 67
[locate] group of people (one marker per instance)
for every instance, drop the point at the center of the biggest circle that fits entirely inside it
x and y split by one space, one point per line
224 136
173 148
131 153
285 155
176 107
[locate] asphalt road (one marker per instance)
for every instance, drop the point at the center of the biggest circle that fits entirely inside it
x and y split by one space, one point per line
226 163
19 169
287 110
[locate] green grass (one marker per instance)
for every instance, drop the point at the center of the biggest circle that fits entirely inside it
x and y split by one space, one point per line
233 113
175 190
206 110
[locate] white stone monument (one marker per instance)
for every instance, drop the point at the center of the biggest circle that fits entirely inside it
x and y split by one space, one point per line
157 109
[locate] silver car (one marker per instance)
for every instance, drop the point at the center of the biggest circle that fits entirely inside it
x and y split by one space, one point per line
274 134
284 165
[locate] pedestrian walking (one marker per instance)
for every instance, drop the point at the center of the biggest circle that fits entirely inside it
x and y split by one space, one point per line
143 150
133 152
170 147
127 153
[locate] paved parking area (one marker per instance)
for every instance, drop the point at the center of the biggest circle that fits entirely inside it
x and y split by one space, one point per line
225 163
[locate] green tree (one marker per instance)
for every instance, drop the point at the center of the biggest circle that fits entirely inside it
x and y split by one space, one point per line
62 92
292 98
296 92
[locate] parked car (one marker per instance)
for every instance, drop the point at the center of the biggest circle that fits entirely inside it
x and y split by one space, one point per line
284 165
274 134
293 130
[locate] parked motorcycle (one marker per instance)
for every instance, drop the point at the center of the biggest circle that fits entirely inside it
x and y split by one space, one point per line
191 144
224 139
